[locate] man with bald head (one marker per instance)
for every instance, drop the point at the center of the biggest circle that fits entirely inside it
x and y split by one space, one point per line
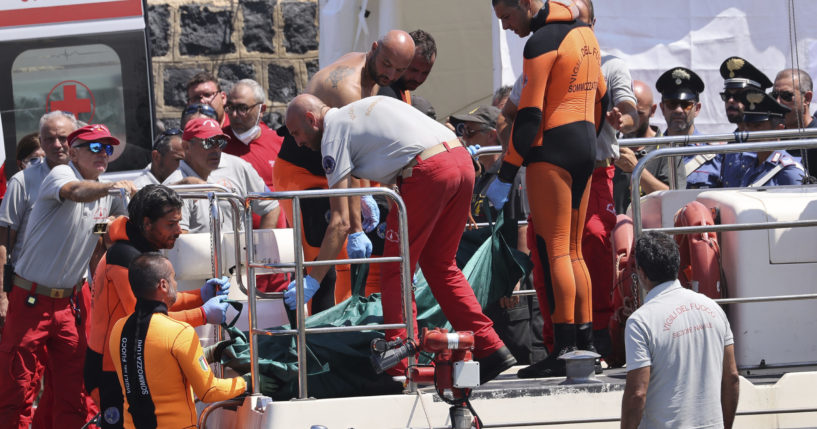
656 176
353 76
386 140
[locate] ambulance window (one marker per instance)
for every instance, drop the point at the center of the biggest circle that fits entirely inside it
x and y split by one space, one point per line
85 80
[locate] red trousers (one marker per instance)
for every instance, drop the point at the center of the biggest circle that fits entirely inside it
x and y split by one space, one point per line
437 198
45 334
601 218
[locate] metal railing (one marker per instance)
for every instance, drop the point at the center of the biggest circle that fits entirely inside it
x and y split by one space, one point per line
301 331
635 180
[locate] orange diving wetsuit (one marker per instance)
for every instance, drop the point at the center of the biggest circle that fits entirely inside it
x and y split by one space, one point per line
554 134
159 363
112 300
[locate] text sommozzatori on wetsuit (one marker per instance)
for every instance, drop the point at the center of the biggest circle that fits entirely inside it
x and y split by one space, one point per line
584 86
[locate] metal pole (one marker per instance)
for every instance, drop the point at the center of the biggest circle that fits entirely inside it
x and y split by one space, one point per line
299 299
735 137
407 288
215 255
251 304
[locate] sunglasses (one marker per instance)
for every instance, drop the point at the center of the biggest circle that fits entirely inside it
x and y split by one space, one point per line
239 108
673 104
783 95
97 147
204 109
211 142
165 134
725 96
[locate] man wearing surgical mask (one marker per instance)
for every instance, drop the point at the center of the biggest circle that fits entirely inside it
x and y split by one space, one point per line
249 138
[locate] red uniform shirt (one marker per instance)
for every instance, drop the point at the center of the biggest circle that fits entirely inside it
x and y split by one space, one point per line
261 153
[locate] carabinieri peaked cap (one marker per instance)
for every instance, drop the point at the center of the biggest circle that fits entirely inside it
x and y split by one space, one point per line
738 73
760 106
679 83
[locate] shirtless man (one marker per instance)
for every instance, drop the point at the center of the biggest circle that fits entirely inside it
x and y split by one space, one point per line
361 74
353 76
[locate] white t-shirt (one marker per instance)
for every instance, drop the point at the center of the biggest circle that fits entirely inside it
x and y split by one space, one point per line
374 138
620 88
234 174
516 91
681 335
146 178
59 238
23 189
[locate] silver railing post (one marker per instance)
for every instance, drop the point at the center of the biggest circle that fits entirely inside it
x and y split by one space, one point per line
251 298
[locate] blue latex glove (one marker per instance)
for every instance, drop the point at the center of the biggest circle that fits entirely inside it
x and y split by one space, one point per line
215 287
358 245
215 310
310 287
497 193
472 150
370 211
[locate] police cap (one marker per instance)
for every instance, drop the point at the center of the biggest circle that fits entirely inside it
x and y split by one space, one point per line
679 83
738 73
760 106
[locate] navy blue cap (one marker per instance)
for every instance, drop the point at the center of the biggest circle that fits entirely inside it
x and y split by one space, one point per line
759 106
679 83
738 73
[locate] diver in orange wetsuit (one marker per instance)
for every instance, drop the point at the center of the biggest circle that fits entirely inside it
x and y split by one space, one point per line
159 360
554 134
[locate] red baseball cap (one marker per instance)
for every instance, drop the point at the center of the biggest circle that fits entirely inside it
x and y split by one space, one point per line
93 132
202 128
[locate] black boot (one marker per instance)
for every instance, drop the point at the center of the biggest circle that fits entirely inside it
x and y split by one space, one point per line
584 341
492 365
565 341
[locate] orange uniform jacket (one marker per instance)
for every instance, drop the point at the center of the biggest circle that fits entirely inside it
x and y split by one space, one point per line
159 363
562 94
112 295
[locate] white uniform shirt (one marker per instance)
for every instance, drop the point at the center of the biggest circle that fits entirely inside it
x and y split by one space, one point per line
234 174
146 178
681 336
59 238
620 88
374 138
23 189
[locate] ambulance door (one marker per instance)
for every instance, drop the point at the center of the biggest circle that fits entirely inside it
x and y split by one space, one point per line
96 69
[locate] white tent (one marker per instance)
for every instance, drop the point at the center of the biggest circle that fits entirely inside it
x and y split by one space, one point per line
475 56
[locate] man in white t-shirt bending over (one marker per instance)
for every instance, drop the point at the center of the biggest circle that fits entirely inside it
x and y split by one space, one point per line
388 141
681 368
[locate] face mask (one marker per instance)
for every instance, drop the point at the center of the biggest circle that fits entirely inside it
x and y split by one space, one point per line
247 136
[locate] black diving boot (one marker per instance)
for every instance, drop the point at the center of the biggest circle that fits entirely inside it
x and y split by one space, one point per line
584 341
493 364
552 366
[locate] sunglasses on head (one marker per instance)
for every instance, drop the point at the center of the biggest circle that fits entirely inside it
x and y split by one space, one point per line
97 147
211 142
783 95
204 109
239 108
673 104
165 134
